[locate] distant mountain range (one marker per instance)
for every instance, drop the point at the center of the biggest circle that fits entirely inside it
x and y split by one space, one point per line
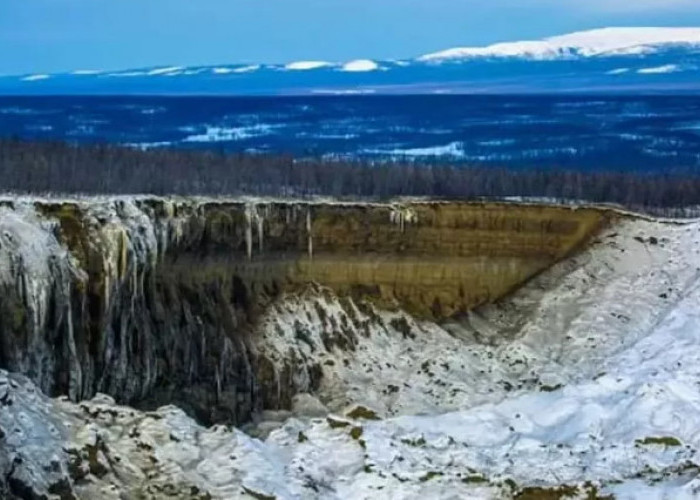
617 60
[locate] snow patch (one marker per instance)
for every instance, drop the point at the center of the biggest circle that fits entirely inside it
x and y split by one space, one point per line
240 69
618 71
343 91
360 65
127 74
657 70
227 134
149 145
455 149
306 65
247 69
35 78
164 71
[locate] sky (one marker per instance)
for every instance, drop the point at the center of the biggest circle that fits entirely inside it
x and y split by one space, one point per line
38 36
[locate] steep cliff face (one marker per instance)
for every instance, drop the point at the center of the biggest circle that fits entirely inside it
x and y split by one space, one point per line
156 300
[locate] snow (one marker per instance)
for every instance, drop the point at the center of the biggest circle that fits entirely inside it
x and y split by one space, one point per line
618 71
240 69
35 78
226 134
128 74
605 41
560 384
247 69
306 65
343 91
455 149
360 65
656 70
164 71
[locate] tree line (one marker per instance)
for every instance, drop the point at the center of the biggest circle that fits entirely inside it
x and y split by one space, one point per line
62 168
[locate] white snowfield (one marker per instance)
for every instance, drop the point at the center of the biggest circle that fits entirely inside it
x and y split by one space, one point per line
604 41
584 382
306 65
35 78
666 68
360 65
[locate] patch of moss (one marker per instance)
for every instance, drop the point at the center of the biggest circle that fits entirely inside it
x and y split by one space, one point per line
539 493
587 492
301 437
662 440
334 423
258 495
511 484
551 388
430 475
356 433
475 479
361 412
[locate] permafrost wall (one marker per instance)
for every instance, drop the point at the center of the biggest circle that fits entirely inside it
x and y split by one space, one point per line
154 300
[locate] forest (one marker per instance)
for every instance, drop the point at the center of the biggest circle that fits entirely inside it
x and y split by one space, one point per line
60 168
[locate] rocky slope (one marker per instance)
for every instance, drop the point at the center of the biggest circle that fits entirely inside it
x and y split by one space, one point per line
156 301
583 382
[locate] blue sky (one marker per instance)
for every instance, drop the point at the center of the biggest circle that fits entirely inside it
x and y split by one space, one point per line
57 35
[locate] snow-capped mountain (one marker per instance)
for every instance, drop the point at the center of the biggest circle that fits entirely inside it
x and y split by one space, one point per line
602 60
601 42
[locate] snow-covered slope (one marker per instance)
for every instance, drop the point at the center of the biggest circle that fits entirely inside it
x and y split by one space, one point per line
605 59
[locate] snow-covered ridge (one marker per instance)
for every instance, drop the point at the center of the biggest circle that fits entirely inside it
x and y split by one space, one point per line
360 65
629 60
306 65
35 78
605 41
602 42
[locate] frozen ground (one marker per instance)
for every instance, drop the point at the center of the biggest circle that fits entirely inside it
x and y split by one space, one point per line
584 382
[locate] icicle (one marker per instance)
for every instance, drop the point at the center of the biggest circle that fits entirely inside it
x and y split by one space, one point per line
260 220
248 232
310 245
402 216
